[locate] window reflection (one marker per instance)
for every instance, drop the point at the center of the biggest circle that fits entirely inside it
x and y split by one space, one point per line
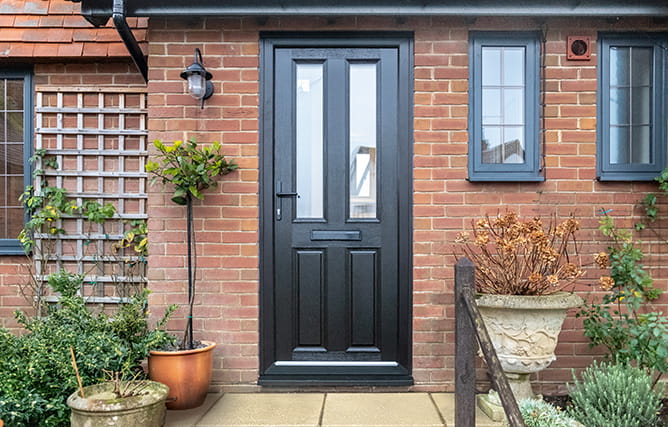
503 94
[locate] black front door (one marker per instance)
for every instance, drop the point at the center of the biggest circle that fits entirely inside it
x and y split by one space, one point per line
336 283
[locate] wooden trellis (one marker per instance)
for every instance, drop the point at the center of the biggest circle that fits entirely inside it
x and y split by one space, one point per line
98 138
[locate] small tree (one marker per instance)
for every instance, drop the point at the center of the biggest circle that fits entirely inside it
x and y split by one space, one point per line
190 169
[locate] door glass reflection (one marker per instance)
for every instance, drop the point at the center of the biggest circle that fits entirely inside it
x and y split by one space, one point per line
309 141
362 140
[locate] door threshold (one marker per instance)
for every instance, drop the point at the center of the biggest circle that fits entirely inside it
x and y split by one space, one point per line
314 381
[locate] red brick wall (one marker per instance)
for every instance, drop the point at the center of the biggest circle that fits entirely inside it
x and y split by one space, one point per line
445 202
227 305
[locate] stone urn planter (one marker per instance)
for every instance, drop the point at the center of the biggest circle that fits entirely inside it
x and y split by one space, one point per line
524 331
101 407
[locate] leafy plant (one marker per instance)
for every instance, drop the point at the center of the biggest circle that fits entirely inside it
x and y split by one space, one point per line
615 395
43 238
190 169
36 370
515 257
136 238
539 413
622 322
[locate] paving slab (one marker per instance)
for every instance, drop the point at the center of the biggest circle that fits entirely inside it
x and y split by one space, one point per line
446 406
380 409
265 409
190 417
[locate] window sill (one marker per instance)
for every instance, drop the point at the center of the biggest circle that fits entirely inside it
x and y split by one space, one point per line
504 177
11 247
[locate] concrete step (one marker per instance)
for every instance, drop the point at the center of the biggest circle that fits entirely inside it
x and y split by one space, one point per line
323 409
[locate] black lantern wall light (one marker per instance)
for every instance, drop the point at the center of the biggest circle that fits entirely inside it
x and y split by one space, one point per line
199 79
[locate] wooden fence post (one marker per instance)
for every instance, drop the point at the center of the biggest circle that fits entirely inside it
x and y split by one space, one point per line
465 346
468 326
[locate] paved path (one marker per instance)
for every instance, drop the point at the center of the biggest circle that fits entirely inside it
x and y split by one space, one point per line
323 409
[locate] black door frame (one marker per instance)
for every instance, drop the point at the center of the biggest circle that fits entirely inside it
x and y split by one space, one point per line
281 375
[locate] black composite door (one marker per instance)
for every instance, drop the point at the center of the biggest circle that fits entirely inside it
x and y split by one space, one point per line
339 294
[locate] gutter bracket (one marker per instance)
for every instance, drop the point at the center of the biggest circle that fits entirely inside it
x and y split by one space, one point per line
121 24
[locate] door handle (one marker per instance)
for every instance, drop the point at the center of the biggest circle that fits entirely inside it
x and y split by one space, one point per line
287 195
280 194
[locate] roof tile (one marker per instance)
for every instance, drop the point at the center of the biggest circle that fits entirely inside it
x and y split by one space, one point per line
26 21
43 49
22 49
12 6
49 35
6 20
73 49
51 21
45 28
75 21
39 7
84 35
63 7
95 49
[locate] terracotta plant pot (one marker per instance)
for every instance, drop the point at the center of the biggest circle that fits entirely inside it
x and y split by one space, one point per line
101 407
187 373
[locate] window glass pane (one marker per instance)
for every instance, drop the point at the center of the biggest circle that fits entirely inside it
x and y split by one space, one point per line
513 106
491 66
15 94
363 140
513 145
491 144
503 105
513 66
13 224
641 144
619 144
10 208
309 141
15 127
491 106
641 66
2 94
619 66
619 106
641 106
14 155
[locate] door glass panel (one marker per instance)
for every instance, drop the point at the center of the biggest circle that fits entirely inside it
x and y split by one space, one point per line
362 140
309 141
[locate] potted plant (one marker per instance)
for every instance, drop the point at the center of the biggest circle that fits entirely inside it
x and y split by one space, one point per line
522 269
190 169
118 402
36 366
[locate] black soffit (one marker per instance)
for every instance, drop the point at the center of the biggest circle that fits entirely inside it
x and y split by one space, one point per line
570 8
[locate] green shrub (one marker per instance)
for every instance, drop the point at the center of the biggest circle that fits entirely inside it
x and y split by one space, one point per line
36 367
615 395
538 413
624 321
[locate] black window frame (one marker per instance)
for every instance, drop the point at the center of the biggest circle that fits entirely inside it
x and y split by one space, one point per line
531 169
13 246
605 170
